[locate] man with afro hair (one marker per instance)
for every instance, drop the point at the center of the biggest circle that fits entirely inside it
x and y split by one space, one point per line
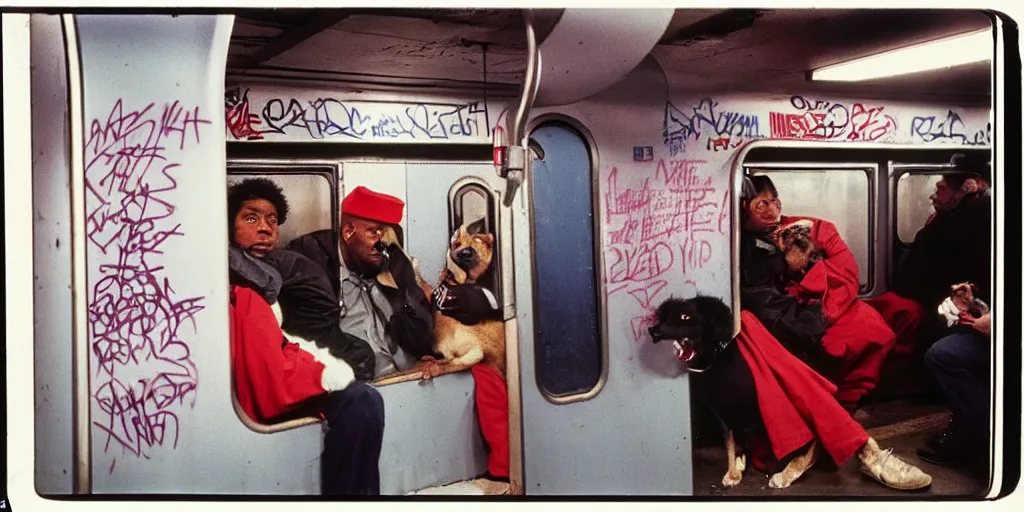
301 298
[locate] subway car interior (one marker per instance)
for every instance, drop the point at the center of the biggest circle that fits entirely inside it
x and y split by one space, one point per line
607 159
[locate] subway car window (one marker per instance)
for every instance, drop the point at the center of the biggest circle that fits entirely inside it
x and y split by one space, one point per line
310 208
309 201
568 312
913 206
839 196
472 207
472 204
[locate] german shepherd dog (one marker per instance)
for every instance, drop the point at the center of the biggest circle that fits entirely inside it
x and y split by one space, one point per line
468 257
701 332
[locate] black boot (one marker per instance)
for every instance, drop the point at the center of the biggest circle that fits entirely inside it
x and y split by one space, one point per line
941 449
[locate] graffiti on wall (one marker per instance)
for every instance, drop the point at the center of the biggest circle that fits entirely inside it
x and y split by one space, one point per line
825 120
335 119
722 129
948 128
142 368
666 226
665 222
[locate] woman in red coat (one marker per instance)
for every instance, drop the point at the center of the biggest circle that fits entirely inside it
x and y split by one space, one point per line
818 315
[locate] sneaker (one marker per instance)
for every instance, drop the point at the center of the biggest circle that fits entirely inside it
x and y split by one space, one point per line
890 470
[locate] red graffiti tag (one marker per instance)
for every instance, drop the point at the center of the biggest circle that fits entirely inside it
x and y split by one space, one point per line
870 124
240 121
639 263
661 225
832 121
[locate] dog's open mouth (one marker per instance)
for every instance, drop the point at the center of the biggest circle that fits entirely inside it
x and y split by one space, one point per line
684 349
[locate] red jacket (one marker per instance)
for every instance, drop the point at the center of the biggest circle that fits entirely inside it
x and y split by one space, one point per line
272 375
856 337
834 280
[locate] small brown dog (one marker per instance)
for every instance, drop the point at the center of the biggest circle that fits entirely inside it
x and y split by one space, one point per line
794 240
468 258
964 299
961 301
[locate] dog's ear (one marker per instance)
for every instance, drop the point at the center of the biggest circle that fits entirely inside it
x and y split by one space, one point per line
718 320
487 238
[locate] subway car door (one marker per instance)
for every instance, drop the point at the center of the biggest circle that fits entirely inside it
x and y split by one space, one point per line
594 420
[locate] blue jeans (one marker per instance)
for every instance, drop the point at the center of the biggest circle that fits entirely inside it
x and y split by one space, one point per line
960 364
352 442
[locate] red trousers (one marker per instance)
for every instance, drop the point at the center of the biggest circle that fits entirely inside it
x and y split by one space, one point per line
492 408
904 317
862 340
796 403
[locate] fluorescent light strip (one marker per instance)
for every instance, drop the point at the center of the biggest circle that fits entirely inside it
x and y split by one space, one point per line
941 53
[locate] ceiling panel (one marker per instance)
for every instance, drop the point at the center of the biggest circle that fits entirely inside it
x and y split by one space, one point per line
702 49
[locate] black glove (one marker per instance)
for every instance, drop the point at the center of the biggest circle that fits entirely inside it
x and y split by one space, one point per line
353 350
469 304
412 323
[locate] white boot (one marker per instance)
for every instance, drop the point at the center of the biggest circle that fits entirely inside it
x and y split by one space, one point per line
889 470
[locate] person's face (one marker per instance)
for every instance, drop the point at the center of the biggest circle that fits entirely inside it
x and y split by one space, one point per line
359 236
763 212
256 229
946 197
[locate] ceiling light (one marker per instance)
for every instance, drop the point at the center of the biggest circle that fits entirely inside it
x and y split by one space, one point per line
940 53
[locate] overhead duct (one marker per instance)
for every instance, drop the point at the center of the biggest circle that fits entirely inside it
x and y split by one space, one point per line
591 49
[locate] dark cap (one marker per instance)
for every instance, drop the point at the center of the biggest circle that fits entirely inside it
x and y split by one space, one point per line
973 165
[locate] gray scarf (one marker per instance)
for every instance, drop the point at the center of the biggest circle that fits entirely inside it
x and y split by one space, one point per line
263 278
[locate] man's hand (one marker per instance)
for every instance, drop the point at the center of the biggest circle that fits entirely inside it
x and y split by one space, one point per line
982 324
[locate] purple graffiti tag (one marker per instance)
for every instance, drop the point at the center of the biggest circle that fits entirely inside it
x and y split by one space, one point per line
143 368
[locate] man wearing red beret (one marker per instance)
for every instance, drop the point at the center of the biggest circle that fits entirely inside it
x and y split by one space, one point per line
385 317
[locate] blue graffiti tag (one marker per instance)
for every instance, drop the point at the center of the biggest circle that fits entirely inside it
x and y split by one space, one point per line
328 117
951 129
678 126
324 117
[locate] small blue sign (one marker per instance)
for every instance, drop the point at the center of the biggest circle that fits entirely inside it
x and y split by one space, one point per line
643 153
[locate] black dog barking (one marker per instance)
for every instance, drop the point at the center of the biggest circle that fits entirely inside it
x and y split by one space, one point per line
702 329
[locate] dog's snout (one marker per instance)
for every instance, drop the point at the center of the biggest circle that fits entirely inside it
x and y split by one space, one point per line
466 254
655 332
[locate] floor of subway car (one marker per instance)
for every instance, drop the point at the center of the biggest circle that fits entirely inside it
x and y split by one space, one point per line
902 426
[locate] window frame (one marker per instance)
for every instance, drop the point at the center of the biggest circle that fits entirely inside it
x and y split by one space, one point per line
600 283
458 190
871 171
896 171
275 167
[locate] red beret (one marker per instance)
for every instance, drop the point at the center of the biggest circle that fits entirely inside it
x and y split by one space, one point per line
365 203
